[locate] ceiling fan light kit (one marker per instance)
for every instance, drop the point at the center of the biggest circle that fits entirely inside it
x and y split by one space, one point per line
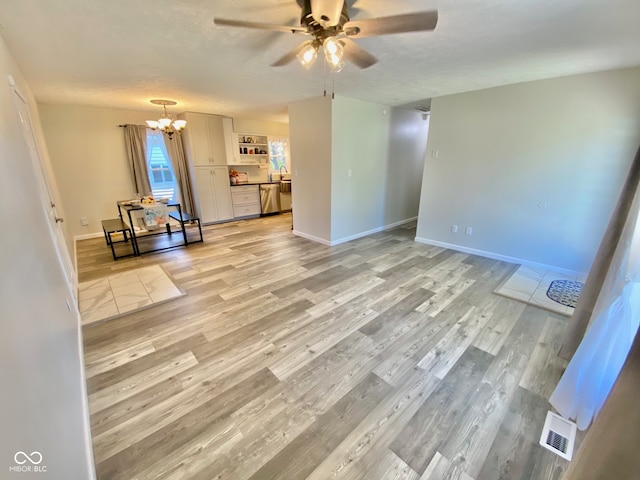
334 53
307 56
328 22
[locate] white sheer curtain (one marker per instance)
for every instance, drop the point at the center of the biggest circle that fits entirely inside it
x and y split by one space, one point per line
595 366
279 153
157 155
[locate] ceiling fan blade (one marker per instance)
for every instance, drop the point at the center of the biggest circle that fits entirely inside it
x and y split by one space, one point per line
356 54
410 22
290 56
327 12
258 25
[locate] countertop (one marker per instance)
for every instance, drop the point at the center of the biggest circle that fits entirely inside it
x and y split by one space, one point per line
274 182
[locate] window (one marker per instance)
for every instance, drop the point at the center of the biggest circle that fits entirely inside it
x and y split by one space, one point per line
279 154
161 177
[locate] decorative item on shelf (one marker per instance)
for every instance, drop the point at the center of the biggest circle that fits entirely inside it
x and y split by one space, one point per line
248 140
251 151
245 150
166 124
233 176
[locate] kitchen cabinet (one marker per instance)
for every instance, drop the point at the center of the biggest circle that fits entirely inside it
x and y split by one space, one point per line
246 200
250 149
213 194
204 138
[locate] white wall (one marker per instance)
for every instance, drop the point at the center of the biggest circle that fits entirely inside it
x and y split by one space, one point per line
250 125
382 148
534 168
43 400
360 143
89 160
405 162
310 137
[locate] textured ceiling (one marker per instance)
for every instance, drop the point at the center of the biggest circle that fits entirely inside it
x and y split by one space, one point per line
123 53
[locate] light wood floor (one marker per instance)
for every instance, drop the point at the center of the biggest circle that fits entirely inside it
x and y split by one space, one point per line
381 358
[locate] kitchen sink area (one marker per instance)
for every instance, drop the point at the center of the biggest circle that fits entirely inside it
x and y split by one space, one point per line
285 192
254 195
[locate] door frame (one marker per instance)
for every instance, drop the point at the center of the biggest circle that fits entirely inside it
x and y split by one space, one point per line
47 193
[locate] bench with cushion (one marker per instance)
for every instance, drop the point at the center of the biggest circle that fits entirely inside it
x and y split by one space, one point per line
117 225
187 218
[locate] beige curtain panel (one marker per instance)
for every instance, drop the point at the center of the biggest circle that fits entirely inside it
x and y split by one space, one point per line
135 137
603 265
175 150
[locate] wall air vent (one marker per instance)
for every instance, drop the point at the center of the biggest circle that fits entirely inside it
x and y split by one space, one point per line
558 435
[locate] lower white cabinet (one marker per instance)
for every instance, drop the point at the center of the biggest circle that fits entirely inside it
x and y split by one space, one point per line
246 200
213 194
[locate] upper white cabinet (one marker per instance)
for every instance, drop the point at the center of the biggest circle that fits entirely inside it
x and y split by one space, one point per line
206 149
204 138
250 149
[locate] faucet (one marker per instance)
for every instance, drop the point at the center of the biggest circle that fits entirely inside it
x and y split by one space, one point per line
285 171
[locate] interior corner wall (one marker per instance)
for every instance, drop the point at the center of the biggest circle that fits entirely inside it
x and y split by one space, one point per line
405 163
360 133
534 168
251 125
43 405
89 160
310 148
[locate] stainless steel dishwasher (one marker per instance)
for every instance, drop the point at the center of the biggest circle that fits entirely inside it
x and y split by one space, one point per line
270 198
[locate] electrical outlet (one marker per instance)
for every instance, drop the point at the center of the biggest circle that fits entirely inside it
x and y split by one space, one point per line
454 228
468 231
349 173
83 221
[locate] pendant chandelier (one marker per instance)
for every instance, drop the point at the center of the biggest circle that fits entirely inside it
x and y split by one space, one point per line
166 124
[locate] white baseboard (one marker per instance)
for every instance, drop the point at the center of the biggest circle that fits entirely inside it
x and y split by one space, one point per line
87 236
333 243
356 236
372 231
497 256
312 238
86 422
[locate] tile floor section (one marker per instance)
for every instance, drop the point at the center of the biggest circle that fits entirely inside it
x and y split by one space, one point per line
530 285
125 292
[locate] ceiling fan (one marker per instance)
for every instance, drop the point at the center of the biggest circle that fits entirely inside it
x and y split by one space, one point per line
329 25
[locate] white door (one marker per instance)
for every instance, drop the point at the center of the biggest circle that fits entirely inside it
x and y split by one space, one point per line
44 187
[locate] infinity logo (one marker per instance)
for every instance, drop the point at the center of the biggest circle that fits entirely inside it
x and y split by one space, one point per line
35 458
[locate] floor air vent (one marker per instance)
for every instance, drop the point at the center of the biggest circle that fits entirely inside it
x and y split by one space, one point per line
558 435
